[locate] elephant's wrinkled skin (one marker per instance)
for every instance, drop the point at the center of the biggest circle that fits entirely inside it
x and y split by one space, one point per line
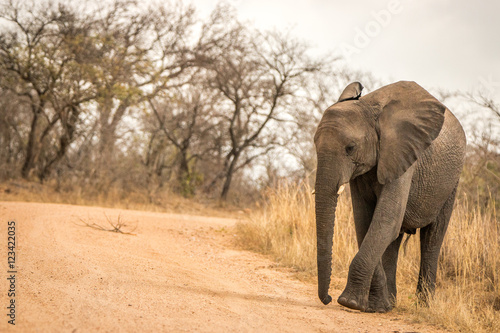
402 152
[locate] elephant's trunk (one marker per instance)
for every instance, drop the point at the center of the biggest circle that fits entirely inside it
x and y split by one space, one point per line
326 203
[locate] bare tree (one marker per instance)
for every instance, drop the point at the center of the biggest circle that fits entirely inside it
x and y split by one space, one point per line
41 71
488 105
132 54
258 76
481 176
13 128
185 118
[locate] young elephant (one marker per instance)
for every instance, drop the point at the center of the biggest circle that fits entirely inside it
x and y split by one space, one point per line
402 152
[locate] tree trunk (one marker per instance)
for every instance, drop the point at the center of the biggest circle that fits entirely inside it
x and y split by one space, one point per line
183 172
64 141
29 161
229 177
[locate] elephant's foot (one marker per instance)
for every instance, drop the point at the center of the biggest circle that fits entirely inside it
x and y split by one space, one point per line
380 305
353 301
379 300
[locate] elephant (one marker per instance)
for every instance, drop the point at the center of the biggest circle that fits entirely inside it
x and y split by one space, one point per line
402 152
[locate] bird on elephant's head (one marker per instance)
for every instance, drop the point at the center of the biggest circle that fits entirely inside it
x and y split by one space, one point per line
402 151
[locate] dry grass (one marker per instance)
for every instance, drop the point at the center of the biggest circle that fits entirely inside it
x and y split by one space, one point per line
161 201
468 289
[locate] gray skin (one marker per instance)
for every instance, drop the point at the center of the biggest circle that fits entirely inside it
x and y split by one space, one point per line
402 152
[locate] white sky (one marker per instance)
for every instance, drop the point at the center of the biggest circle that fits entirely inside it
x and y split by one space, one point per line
437 43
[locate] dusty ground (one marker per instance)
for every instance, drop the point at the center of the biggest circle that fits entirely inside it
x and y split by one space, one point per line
177 273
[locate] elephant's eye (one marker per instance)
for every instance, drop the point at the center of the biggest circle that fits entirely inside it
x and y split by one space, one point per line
349 149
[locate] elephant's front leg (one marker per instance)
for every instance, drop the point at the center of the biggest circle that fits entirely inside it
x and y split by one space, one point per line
371 296
383 230
363 209
383 290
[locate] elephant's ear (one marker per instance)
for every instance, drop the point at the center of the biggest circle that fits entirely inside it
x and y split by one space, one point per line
352 91
407 129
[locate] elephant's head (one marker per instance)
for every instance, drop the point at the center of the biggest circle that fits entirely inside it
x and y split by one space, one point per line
387 129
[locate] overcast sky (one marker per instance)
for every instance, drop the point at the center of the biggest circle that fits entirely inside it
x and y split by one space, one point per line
437 43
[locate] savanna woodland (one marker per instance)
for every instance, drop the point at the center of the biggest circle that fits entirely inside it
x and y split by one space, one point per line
121 103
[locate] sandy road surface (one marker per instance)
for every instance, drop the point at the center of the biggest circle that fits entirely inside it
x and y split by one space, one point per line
177 273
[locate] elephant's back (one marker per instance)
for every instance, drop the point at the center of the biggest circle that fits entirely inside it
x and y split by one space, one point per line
450 144
436 174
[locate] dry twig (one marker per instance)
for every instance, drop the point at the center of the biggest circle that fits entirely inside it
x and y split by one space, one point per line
115 227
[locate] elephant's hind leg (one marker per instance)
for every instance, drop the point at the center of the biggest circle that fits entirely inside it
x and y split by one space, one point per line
431 239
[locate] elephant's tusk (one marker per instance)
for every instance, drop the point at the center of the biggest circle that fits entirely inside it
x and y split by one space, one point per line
341 189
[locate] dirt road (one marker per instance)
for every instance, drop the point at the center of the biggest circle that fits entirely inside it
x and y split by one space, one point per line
177 273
